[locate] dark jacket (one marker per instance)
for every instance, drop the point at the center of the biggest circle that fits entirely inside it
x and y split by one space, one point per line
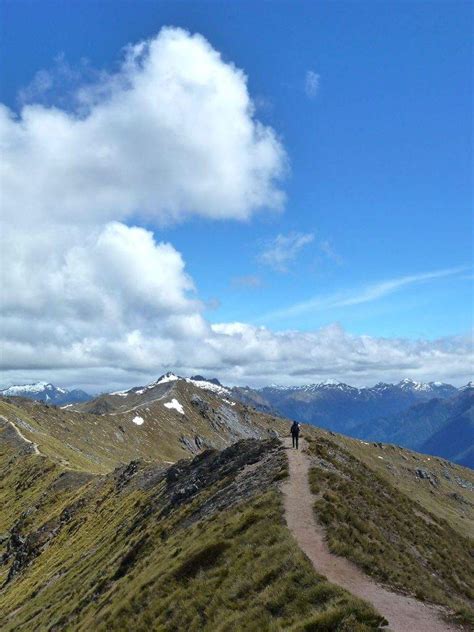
295 428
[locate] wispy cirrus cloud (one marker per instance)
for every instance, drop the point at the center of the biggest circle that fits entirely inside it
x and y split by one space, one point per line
247 281
364 294
328 251
279 252
311 84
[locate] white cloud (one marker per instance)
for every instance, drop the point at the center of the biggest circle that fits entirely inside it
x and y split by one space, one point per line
88 300
258 355
171 134
103 278
361 295
311 84
280 251
239 353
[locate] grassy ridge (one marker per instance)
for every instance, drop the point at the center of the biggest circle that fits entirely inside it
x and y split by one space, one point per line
388 535
447 499
99 443
116 560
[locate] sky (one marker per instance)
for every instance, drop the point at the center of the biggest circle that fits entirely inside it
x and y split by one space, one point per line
268 192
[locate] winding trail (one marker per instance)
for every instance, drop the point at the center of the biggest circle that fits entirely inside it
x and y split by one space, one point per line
404 614
22 436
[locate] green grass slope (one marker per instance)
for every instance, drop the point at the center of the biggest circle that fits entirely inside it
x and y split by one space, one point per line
100 442
388 533
438 485
200 545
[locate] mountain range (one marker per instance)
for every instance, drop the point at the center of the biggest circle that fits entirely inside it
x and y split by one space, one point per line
431 417
46 392
409 413
341 407
165 506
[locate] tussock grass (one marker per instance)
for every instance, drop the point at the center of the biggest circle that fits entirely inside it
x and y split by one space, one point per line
203 559
112 568
240 571
389 535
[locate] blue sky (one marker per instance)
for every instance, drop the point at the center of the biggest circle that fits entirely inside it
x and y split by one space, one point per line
372 102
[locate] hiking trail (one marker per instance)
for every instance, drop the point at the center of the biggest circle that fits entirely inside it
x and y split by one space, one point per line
404 614
22 436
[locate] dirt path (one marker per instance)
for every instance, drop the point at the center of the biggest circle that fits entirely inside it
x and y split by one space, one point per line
404 614
22 436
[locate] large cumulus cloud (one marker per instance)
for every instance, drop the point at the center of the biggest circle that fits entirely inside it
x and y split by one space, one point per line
171 134
90 299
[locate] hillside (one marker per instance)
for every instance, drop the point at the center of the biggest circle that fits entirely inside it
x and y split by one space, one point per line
200 546
177 521
439 426
455 440
168 420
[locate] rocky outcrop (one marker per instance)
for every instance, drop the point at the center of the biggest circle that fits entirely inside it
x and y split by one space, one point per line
23 548
244 469
235 474
196 444
427 476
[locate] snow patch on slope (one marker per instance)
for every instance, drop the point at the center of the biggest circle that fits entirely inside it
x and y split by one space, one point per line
208 386
227 401
138 420
174 404
169 377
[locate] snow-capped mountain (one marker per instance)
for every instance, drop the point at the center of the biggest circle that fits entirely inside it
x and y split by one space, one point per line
152 392
211 384
432 388
311 388
401 413
341 407
46 392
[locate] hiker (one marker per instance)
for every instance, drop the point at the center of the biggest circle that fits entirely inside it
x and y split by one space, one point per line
295 433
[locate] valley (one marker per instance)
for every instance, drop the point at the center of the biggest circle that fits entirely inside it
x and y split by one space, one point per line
410 414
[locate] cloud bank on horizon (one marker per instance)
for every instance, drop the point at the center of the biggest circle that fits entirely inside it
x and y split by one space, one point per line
90 296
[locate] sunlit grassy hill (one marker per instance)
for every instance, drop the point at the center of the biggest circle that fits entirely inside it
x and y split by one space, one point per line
200 545
165 513
173 420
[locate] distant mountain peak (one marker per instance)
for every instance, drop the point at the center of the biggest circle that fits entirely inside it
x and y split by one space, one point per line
209 384
34 387
167 377
200 378
330 382
423 386
407 382
45 392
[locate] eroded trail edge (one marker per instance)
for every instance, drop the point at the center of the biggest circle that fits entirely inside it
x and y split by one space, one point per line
404 614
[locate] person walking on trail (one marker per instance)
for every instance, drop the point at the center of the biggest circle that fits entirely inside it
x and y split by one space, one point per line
295 433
